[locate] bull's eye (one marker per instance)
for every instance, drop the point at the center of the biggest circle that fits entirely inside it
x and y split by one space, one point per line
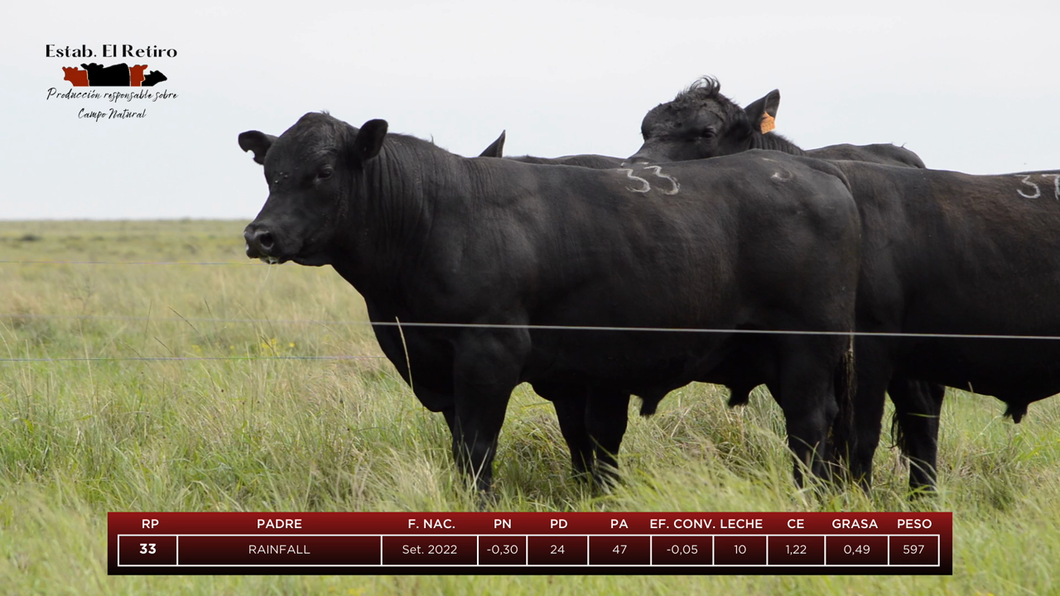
324 173
706 133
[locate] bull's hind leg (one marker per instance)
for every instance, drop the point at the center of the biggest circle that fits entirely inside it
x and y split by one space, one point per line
606 417
805 391
917 406
486 369
873 374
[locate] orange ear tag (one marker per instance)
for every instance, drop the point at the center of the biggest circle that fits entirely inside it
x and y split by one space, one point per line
768 123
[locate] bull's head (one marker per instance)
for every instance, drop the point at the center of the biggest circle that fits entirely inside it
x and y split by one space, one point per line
701 122
310 169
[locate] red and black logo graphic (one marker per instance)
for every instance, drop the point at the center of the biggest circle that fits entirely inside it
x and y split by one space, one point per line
116 75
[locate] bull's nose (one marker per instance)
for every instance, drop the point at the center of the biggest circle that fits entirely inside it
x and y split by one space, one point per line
260 242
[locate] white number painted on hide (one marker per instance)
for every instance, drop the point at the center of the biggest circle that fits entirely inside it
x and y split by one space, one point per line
1026 179
1056 184
657 170
1037 191
629 174
671 179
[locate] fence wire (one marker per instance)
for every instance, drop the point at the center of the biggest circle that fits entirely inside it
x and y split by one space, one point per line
365 323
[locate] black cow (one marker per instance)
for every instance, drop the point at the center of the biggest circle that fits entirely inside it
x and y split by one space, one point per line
884 153
696 115
487 264
761 113
701 122
698 103
943 253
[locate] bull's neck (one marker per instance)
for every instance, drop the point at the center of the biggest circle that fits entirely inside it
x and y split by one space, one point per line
400 190
774 142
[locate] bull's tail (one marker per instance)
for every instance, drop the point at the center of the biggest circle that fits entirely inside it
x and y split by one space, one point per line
898 438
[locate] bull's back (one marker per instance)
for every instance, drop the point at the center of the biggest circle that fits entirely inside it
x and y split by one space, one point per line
881 153
697 243
587 160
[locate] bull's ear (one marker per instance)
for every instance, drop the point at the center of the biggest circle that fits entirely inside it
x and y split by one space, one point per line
258 142
763 112
369 140
496 149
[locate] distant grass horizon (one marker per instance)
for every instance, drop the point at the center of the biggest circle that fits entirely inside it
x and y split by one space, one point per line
233 428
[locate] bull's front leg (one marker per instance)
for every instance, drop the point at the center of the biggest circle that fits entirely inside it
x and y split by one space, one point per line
487 364
606 417
570 403
593 422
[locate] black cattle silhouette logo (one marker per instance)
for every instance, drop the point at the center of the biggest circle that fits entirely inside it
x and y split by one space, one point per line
155 76
116 75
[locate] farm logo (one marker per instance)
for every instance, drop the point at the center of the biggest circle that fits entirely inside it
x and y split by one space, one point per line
117 75
84 80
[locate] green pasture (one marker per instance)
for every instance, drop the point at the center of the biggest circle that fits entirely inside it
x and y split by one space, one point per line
128 383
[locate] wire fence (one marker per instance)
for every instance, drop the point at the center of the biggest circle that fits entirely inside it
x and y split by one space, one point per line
533 327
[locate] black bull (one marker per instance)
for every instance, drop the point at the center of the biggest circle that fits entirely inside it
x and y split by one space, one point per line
507 256
942 253
950 253
704 131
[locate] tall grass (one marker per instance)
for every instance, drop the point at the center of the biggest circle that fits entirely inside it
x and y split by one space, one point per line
231 428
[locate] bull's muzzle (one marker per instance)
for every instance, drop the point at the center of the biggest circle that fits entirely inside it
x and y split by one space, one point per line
260 242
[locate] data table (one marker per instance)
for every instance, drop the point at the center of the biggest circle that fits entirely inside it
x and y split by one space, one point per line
530 543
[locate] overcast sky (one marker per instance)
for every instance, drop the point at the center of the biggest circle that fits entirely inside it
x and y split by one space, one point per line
975 91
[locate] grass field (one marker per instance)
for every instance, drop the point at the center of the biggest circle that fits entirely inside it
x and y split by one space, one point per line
156 387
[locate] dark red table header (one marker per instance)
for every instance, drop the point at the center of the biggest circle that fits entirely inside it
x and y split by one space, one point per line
480 523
